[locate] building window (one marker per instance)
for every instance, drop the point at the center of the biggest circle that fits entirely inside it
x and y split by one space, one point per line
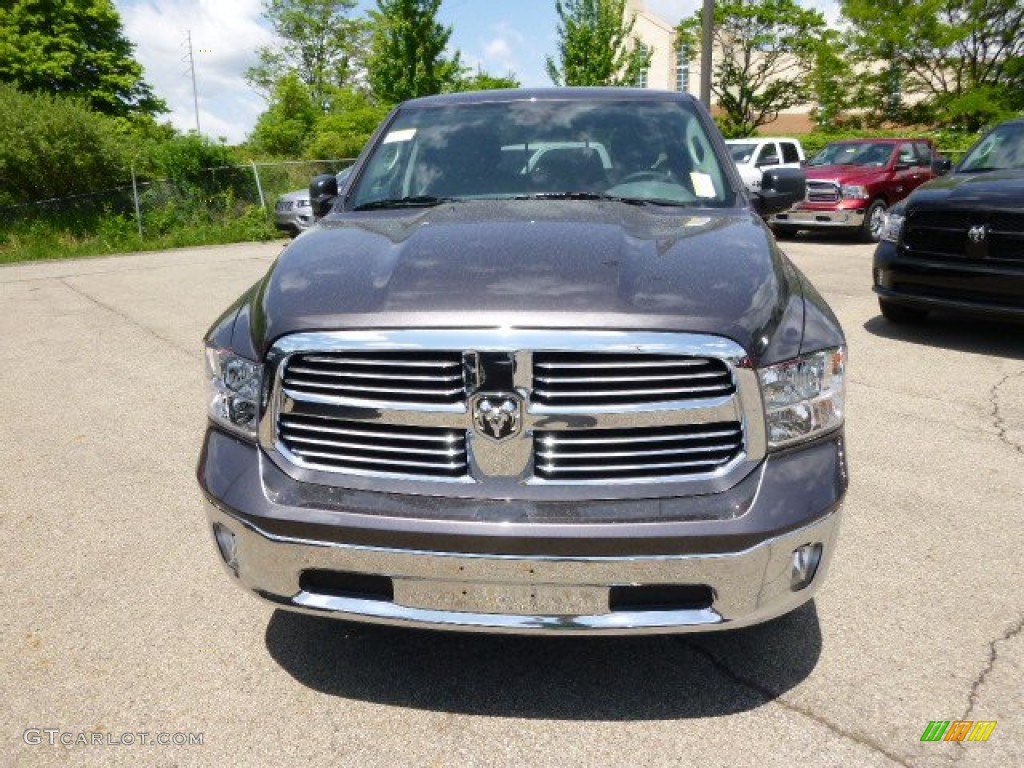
641 78
682 68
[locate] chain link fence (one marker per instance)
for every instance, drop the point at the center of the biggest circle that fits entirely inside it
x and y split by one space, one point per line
159 205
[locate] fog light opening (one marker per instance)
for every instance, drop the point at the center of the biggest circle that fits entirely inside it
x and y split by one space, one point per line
227 546
805 564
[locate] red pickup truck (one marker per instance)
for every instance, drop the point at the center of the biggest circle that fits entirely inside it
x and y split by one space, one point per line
851 183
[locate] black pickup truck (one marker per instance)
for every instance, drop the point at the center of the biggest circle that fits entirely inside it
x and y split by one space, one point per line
957 243
542 368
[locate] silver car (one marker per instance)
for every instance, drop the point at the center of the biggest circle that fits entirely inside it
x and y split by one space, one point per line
293 212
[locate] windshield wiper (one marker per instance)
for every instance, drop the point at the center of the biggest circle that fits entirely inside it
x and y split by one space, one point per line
416 201
579 195
600 196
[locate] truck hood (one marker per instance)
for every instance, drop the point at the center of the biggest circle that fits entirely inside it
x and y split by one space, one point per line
540 264
991 189
842 174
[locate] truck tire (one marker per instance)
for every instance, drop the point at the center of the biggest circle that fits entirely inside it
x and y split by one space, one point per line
874 218
901 314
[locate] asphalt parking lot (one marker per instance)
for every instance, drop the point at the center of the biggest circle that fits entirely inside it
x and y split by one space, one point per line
118 620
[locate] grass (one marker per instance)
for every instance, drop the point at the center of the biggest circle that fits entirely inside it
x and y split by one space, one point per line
176 224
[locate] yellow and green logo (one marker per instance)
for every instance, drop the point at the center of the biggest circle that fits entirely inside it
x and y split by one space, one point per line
958 730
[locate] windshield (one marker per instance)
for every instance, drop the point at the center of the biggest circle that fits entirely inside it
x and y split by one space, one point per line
854 153
640 151
741 153
1002 149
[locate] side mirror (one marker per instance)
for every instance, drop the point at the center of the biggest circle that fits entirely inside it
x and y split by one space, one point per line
781 188
323 191
941 166
901 166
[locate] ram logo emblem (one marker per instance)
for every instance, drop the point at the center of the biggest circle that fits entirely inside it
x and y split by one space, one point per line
497 416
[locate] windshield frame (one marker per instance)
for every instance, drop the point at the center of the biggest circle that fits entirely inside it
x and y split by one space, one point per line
750 147
726 192
1013 127
863 147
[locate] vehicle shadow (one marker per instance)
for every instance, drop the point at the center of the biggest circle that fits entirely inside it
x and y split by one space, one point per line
643 678
955 332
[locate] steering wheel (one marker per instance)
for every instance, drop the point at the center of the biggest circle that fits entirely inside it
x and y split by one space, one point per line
644 176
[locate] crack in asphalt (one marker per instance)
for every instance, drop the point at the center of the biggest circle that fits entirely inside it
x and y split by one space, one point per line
128 319
993 656
771 696
1002 429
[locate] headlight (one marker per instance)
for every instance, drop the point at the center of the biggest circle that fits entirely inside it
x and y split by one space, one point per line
804 397
234 391
302 203
892 227
853 192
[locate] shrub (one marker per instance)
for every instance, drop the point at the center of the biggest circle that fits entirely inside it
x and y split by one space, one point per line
52 146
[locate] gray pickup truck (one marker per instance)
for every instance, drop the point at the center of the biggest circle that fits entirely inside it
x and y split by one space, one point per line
542 368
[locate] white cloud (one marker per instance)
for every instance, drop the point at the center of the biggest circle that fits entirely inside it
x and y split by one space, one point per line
498 48
501 52
225 36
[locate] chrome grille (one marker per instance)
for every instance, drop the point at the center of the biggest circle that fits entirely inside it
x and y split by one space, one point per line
822 192
610 454
590 380
400 377
342 445
619 410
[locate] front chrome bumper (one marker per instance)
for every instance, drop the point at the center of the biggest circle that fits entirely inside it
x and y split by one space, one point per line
524 594
294 221
811 219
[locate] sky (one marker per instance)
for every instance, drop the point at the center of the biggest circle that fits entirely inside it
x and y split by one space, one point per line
497 35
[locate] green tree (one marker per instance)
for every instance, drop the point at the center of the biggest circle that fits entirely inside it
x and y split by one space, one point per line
318 41
964 58
73 48
284 129
765 51
483 81
186 159
596 45
830 81
407 48
344 132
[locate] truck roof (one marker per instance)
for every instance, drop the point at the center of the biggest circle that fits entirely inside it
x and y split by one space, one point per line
762 138
550 94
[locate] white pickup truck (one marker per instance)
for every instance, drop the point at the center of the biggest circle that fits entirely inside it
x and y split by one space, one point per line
758 154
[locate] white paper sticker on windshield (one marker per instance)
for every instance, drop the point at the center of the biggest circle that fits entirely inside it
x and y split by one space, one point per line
405 134
702 185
